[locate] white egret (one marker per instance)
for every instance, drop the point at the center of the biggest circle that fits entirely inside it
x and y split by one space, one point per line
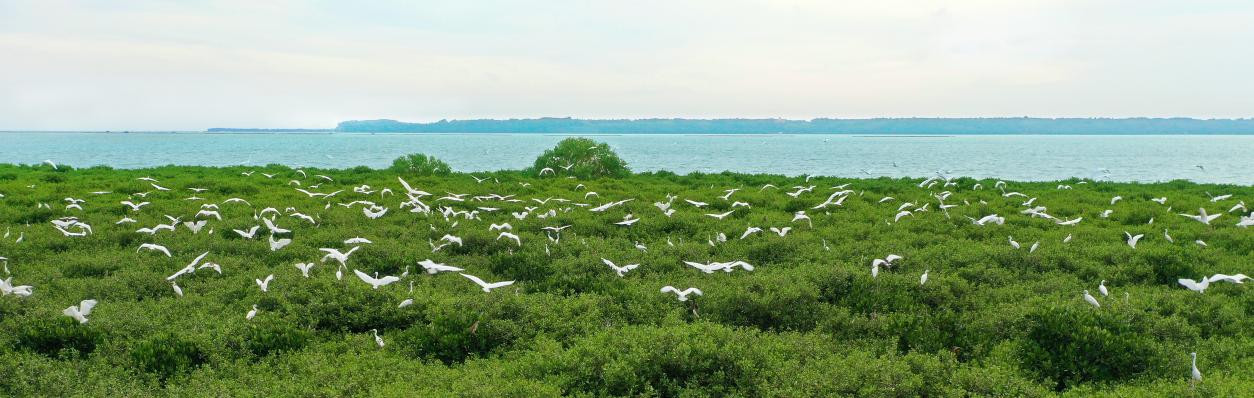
154 247
1193 285
378 340
1132 239
1089 298
721 215
620 270
252 313
333 254
304 268
264 284
923 278
275 245
375 282
434 268
1196 375
81 311
1202 217
249 234
1101 287
682 295
1013 243
508 235
1238 278
781 231
487 287
274 229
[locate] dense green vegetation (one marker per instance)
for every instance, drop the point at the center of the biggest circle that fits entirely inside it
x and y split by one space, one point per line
808 320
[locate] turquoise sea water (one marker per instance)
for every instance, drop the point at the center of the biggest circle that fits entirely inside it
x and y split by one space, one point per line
1225 159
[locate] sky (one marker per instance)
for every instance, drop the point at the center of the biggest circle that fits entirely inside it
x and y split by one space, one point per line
191 65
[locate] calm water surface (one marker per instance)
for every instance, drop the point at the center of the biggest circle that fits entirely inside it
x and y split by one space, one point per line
1226 159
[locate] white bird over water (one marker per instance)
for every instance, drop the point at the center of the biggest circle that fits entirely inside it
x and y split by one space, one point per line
682 295
81 311
487 287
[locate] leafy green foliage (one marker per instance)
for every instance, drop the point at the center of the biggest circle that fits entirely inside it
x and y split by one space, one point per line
417 164
273 337
59 337
809 320
1075 345
582 158
167 354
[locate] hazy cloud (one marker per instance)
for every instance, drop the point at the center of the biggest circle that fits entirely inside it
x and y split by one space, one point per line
192 65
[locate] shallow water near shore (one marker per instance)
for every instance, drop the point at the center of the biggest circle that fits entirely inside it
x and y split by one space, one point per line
1223 159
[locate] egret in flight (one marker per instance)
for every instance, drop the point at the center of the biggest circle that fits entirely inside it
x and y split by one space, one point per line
487 287
81 311
682 295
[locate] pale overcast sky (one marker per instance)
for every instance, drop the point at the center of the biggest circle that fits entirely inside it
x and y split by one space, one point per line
159 65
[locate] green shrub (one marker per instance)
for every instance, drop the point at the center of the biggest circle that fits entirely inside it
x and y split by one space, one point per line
1070 346
583 158
59 337
270 337
166 355
420 165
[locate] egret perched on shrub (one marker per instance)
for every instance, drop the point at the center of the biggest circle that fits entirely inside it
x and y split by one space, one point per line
1196 375
1092 300
377 340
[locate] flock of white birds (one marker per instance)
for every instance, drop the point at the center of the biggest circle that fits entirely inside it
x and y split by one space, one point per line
276 225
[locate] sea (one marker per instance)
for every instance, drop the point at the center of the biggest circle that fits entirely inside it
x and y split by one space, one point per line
1146 158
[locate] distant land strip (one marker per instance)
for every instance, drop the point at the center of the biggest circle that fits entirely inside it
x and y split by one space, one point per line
876 126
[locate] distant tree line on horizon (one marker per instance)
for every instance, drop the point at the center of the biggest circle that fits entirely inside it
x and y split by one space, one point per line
1021 125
